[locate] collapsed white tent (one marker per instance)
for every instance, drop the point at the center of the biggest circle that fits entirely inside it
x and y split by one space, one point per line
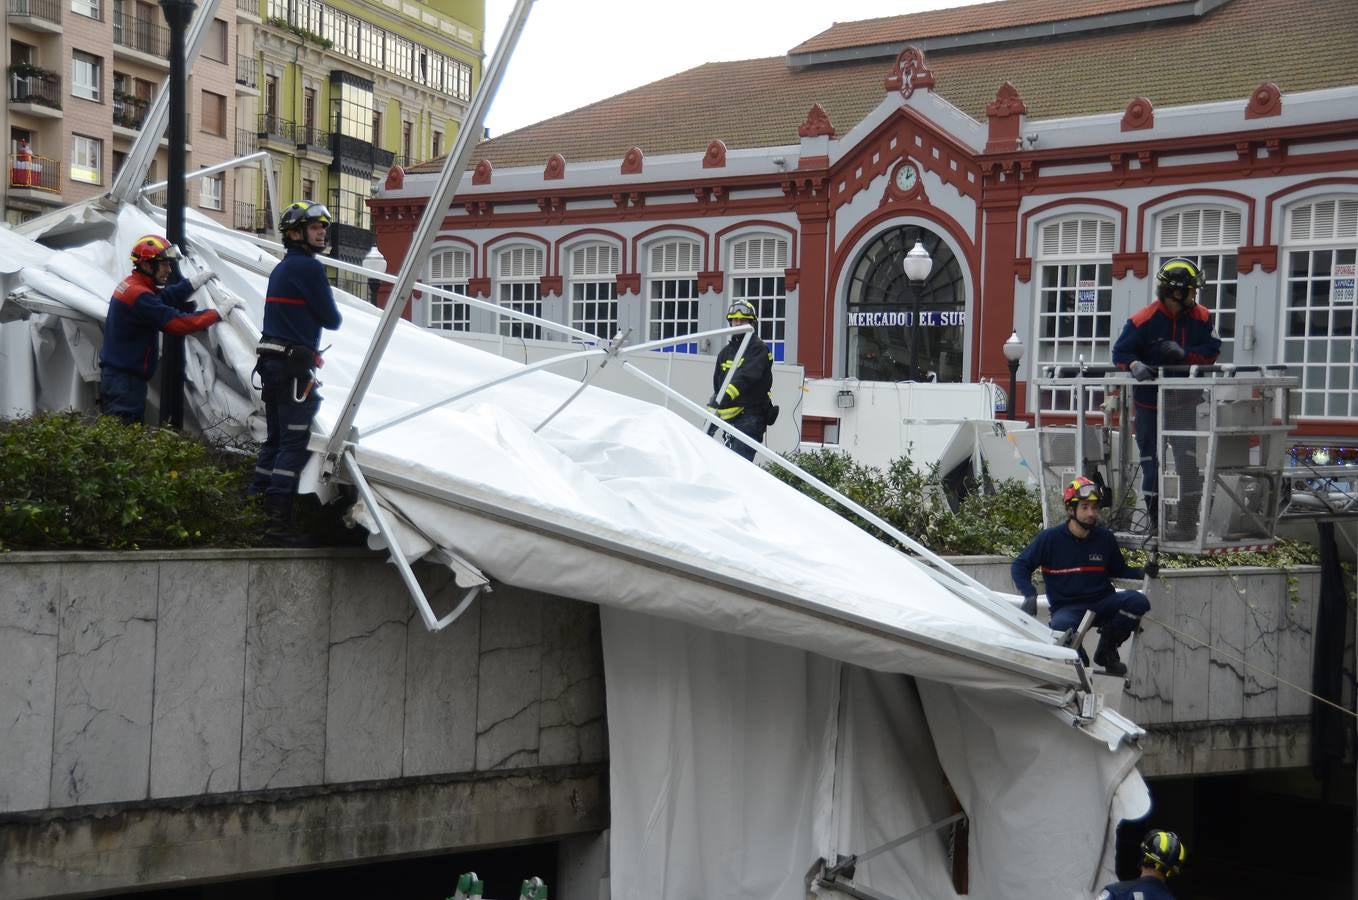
781 686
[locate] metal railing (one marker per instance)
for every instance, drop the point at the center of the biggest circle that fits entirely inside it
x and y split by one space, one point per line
130 112
312 137
271 126
350 242
245 217
357 150
49 10
247 141
41 88
141 34
39 173
247 71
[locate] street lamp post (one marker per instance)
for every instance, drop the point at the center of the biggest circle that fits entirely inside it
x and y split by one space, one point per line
1013 352
374 262
917 265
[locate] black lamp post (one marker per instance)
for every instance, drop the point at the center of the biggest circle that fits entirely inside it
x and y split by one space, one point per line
1013 352
917 265
178 14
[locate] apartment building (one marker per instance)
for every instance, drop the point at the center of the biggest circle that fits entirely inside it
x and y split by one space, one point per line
337 93
346 90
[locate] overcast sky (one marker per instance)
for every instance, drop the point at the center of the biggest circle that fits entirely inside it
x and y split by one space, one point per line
574 52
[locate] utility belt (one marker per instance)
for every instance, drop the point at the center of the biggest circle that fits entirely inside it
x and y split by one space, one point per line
299 361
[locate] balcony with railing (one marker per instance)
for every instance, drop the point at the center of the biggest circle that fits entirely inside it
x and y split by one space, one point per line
356 152
247 141
143 36
41 15
313 142
247 72
350 242
38 177
38 89
274 129
129 111
245 216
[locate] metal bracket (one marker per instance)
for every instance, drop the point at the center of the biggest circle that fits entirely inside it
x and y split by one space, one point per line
840 875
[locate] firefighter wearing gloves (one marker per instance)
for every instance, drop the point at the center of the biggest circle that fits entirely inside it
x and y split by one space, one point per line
297 305
1175 330
1162 855
1078 558
745 403
144 304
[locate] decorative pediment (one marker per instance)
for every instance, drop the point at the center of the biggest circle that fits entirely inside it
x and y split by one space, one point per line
817 123
481 174
396 178
909 73
1266 101
631 162
1007 102
556 168
715 157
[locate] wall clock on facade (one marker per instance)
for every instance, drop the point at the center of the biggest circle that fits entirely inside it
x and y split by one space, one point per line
907 178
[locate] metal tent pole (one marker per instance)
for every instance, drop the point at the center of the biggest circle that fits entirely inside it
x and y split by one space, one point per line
425 232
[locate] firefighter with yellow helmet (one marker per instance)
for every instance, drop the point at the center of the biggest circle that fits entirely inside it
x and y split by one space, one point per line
1162 855
745 402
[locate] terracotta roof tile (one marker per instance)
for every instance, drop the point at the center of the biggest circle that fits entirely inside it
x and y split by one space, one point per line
962 20
760 102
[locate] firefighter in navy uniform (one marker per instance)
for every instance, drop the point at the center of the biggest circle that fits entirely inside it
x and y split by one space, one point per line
1174 330
745 404
1162 855
144 304
1078 558
297 305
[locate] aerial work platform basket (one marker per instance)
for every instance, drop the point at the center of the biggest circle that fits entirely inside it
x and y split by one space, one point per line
1217 470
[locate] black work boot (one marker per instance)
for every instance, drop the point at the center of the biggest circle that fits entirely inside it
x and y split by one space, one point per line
1106 655
279 532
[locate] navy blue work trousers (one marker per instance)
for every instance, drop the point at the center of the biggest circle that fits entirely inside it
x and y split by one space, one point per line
290 403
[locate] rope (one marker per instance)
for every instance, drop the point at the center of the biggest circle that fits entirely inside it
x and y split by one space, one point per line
1274 675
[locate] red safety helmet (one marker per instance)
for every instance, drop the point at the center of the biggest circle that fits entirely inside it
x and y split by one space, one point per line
1080 489
152 248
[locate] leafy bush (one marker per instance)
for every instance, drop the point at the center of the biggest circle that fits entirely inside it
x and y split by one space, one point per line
73 482
1000 522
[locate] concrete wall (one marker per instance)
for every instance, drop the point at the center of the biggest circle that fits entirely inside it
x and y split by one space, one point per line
1209 712
301 695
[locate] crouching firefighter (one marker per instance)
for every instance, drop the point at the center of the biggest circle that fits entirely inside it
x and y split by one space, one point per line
297 305
1078 560
745 403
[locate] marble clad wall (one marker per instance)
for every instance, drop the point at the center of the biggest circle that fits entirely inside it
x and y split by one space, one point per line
128 677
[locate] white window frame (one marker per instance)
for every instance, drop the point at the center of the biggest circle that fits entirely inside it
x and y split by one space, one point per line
757 270
593 287
518 285
450 268
211 190
90 9
672 303
1210 236
1320 234
87 159
87 63
1072 250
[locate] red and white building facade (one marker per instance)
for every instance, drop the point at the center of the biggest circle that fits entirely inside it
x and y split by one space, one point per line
1051 228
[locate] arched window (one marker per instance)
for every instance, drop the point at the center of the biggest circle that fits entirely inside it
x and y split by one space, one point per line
518 286
1320 335
1074 297
449 270
672 291
899 330
758 274
1210 237
594 289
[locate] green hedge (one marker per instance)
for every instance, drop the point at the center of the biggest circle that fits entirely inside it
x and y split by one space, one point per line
70 482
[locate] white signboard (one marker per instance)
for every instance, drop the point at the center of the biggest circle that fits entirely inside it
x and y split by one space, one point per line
1343 284
928 318
1086 296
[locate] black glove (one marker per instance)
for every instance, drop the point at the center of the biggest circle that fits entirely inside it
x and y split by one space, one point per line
1169 352
1152 569
711 430
1030 605
1141 371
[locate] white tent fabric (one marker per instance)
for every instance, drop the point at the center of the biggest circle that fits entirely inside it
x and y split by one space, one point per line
729 600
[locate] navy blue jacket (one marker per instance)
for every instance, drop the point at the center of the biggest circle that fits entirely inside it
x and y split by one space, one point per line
750 386
1075 570
1191 329
1147 887
138 311
298 302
